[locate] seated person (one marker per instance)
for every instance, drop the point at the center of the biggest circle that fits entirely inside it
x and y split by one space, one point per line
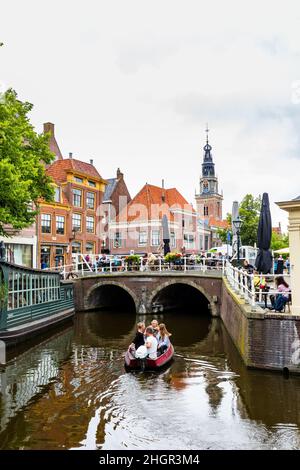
164 338
248 267
139 339
260 285
151 343
154 325
283 296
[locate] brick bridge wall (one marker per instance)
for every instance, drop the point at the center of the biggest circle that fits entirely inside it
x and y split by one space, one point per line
144 287
264 340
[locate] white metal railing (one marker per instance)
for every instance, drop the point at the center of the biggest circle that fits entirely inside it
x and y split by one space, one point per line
255 289
96 264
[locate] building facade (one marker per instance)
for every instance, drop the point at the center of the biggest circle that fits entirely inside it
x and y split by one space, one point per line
21 247
138 227
71 223
116 197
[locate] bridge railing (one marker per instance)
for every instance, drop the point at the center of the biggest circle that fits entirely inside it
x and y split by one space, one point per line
93 264
256 289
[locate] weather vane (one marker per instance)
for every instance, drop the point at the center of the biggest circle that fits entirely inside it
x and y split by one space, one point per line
207 131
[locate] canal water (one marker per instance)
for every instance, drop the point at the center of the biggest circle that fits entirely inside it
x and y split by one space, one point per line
69 390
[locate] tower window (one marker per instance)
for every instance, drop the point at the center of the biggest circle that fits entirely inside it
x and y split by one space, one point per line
205 210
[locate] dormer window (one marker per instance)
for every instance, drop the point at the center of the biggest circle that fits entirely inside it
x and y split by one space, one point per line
78 180
57 194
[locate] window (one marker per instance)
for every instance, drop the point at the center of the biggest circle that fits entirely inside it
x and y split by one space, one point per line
77 197
89 247
143 238
60 225
90 200
76 222
118 240
205 210
188 240
173 240
57 194
90 224
92 184
78 180
76 247
46 223
26 289
155 238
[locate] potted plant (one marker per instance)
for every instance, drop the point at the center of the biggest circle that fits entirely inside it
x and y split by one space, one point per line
132 261
173 257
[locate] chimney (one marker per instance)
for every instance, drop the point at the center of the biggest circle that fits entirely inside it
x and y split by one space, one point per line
163 194
70 155
119 174
49 129
91 161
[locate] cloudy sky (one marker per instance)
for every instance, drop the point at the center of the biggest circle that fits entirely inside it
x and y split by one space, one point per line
132 84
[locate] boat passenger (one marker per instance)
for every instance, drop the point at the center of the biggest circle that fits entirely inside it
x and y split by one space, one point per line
154 325
139 339
151 343
164 338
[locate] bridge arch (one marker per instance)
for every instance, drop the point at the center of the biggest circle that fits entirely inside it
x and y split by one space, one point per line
170 287
108 294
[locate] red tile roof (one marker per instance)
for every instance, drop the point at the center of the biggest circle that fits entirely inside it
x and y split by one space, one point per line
152 202
218 223
59 169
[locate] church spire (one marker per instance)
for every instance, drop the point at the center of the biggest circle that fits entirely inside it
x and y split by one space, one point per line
207 148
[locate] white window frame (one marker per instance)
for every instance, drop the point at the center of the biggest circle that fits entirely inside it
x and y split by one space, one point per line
155 241
143 240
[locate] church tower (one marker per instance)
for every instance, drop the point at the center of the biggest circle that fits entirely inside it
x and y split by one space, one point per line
209 200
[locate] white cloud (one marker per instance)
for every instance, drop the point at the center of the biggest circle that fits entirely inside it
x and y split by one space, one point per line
132 84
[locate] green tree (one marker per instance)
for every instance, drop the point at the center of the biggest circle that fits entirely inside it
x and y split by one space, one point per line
279 241
23 153
249 211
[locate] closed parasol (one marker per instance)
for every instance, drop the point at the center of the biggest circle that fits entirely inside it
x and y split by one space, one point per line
264 260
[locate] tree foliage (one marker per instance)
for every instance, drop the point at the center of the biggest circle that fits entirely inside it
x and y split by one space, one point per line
23 153
279 241
249 211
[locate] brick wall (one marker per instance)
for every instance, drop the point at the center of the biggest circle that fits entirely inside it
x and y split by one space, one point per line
267 341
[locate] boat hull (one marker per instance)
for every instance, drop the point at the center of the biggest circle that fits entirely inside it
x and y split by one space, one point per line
23 332
131 363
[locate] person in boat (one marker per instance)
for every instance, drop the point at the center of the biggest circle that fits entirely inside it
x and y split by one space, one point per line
154 325
139 339
164 339
151 343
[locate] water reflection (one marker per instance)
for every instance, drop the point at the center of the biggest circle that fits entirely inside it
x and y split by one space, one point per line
71 391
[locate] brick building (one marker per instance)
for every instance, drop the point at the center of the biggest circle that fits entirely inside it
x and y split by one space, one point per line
71 223
138 227
116 197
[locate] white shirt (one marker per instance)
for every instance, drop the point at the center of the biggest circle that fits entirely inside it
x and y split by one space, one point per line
152 350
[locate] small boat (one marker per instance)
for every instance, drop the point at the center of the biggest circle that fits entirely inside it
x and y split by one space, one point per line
132 363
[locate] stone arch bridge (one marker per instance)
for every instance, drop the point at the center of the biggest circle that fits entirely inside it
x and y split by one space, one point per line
142 292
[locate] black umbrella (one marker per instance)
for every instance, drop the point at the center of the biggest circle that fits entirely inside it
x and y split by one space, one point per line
166 235
264 258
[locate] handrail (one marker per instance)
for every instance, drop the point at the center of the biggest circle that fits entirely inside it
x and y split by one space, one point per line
244 284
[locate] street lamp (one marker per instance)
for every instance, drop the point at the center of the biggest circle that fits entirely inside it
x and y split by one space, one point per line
237 223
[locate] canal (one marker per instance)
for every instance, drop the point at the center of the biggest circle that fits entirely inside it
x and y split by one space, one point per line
69 390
